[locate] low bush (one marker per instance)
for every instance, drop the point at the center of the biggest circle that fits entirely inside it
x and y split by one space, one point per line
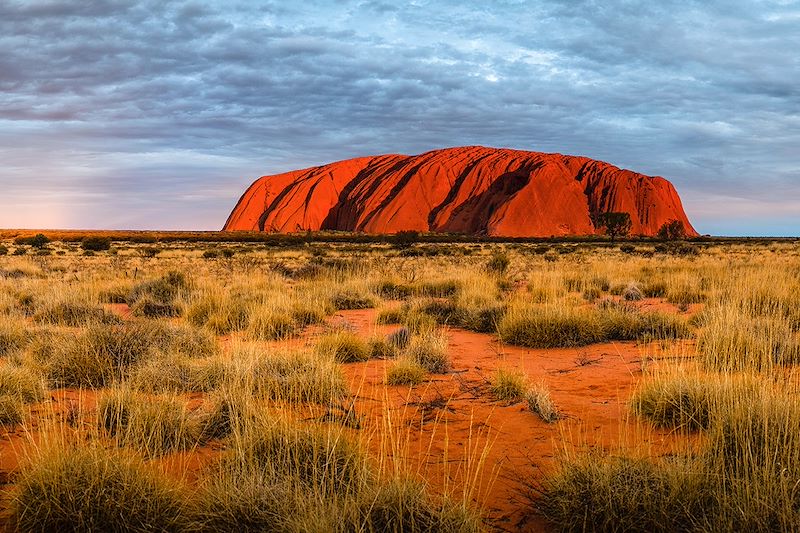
96 243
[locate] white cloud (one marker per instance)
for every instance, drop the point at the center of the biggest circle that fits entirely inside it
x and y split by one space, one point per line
160 113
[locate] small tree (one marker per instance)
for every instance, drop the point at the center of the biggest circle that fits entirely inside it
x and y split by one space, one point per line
614 223
672 231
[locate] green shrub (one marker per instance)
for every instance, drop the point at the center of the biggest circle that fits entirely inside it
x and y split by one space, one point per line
37 241
96 243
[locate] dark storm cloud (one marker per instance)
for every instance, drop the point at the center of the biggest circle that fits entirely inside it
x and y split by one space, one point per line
142 114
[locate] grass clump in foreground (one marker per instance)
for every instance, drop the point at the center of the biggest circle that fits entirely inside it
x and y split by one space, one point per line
558 326
683 401
295 376
153 426
429 350
102 355
541 403
634 494
509 385
405 372
551 327
21 383
344 346
74 314
279 477
18 387
162 296
744 478
95 489
14 336
731 340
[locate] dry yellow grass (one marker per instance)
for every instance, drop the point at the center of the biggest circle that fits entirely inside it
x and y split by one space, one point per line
232 348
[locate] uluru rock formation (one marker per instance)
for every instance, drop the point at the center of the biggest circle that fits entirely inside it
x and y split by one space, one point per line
475 190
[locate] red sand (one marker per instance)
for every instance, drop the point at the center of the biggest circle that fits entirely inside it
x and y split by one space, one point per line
589 385
473 190
450 430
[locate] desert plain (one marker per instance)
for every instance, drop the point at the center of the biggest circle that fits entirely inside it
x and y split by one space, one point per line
194 383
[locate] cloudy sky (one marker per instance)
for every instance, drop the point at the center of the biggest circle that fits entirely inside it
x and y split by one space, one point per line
157 115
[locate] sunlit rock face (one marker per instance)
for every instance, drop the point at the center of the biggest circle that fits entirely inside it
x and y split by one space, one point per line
473 189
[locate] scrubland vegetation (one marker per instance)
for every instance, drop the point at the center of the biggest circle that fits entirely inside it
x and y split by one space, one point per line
189 386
